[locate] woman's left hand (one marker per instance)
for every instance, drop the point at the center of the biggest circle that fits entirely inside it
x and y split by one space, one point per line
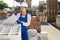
22 22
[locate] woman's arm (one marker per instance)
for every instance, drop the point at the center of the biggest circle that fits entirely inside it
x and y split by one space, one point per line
28 20
17 20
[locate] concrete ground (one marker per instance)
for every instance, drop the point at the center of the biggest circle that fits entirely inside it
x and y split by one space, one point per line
53 33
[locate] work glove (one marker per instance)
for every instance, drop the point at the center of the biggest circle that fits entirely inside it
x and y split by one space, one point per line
18 22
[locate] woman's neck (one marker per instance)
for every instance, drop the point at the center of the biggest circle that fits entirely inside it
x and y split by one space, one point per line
24 14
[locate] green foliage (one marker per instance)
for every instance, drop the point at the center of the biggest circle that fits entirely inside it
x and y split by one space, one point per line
3 5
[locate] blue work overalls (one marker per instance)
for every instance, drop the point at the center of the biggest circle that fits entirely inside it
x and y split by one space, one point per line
23 28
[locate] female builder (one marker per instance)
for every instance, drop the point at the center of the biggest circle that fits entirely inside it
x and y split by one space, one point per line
24 19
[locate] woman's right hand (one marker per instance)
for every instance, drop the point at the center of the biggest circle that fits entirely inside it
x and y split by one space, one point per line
18 22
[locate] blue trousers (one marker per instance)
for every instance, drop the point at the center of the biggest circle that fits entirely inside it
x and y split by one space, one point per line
24 33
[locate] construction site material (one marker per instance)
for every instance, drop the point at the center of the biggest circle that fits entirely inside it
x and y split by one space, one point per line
58 21
35 24
52 10
9 30
2 15
33 34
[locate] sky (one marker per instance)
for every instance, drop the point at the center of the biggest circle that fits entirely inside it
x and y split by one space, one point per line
12 3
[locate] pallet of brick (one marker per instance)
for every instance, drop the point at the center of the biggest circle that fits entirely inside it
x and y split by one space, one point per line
9 30
2 14
35 24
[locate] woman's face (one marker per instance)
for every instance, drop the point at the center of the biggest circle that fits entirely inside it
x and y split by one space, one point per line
23 9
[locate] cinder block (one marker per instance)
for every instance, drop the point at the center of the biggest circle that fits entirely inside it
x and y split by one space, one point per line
33 38
33 34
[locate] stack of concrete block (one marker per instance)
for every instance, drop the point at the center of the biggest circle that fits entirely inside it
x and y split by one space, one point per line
33 34
58 21
9 30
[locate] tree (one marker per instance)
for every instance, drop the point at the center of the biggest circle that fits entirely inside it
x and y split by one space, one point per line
3 5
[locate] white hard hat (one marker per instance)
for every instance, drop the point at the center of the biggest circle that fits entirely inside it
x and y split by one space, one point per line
24 4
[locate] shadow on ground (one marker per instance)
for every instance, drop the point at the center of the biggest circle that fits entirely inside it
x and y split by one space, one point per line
44 23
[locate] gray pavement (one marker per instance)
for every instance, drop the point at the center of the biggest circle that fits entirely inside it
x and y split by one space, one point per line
53 33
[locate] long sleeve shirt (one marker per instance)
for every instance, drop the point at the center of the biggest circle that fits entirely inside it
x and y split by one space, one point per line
28 19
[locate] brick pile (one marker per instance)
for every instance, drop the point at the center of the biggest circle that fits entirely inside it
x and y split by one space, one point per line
35 24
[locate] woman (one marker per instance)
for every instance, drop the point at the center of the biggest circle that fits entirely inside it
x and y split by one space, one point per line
24 19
